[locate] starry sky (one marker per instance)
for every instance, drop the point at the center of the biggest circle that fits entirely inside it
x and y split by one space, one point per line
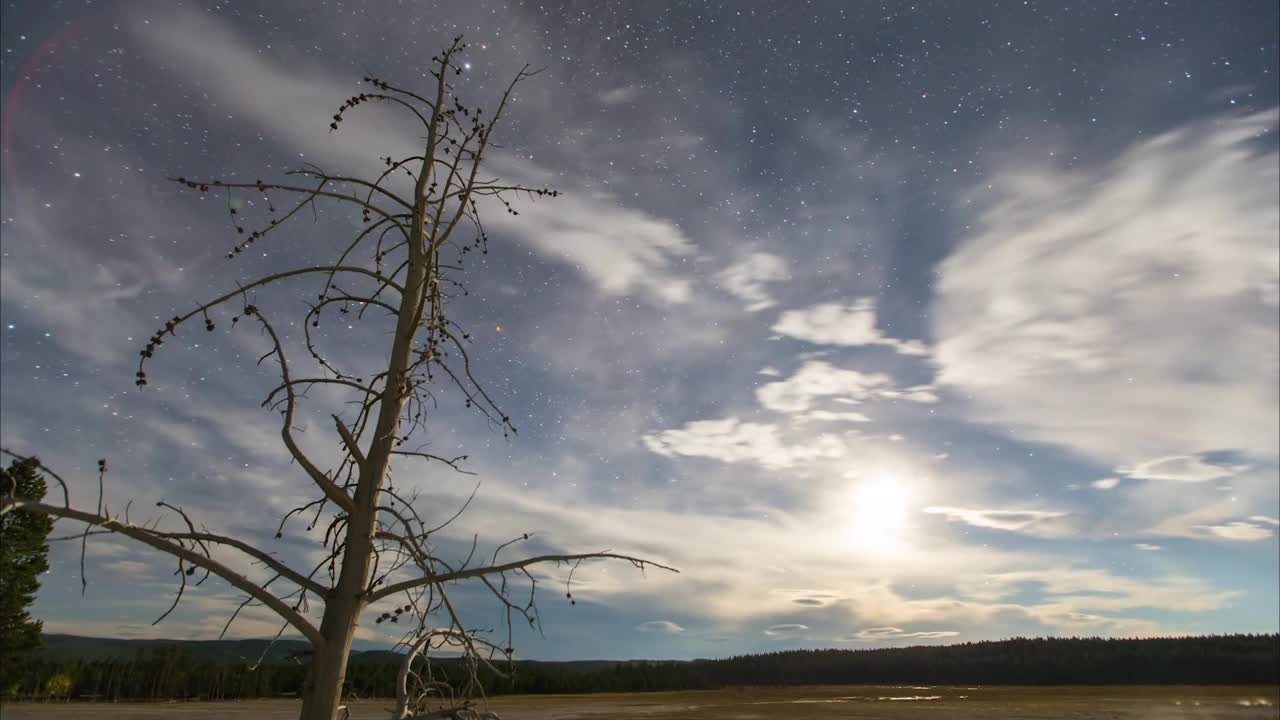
885 322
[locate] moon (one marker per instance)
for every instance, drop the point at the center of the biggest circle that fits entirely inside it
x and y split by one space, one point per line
880 509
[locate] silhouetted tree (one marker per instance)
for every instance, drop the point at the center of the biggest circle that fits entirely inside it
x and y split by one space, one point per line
376 544
23 557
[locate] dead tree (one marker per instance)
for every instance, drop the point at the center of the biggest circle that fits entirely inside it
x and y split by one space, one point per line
404 261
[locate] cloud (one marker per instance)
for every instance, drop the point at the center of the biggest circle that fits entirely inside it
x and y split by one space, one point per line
619 249
918 393
884 634
1015 520
1265 519
746 279
134 568
733 441
1065 590
1109 483
819 379
834 416
619 95
87 301
1179 468
1125 311
1239 531
660 626
809 597
1146 546
847 325
785 630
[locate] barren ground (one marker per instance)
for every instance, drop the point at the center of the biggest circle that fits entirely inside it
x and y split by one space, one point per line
819 703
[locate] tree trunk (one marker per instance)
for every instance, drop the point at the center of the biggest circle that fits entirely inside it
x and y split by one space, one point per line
322 692
322 695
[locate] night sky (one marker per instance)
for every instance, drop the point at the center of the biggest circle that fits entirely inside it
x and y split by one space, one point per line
886 323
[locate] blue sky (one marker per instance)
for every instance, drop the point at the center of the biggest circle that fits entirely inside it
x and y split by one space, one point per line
885 323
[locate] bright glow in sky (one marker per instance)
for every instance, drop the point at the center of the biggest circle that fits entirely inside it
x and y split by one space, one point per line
880 510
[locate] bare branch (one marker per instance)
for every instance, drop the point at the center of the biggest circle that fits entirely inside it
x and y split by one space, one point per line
514 565
261 556
159 542
352 446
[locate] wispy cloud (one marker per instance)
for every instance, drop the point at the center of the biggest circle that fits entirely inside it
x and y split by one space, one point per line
747 279
887 634
848 325
734 441
660 626
621 250
1083 300
1180 468
620 95
1239 530
1013 520
819 379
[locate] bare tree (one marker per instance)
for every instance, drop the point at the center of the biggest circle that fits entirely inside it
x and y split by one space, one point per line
376 544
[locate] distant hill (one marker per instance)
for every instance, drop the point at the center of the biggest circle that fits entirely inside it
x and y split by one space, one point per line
65 648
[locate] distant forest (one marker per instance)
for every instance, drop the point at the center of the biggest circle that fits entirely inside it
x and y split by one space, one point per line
159 670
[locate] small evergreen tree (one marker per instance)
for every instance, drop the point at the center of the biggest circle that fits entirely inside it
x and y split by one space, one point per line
23 556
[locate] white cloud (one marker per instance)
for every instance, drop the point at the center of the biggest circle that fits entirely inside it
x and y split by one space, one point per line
834 416
847 325
1109 483
1265 519
621 250
733 441
769 371
1146 546
918 393
1126 311
883 634
1015 520
1179 468
1239 531
746 279
785 630
660 626
819 379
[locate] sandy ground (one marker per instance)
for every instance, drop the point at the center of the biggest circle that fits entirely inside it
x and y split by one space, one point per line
821 703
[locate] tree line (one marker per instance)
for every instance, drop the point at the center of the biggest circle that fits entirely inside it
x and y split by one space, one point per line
170 672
